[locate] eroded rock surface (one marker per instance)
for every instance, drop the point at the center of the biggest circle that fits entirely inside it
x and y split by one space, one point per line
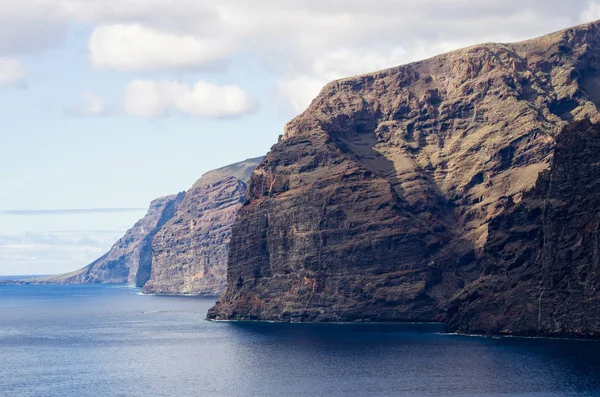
375 203
542 260
190 251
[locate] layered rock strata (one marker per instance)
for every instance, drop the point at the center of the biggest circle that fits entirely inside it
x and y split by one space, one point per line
542 256
375 203
190 251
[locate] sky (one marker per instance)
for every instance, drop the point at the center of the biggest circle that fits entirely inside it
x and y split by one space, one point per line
108 104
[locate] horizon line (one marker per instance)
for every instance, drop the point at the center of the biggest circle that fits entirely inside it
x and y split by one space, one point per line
71 211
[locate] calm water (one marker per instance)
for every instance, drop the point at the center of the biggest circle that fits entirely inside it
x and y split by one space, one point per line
111 341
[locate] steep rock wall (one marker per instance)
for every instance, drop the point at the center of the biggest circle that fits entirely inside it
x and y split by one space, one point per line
189 254
375 203
542 259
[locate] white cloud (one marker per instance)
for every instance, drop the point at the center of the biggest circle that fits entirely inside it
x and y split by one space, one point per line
11 71
30 26
52 252
309 40
178 16
298 91
92 106
138 48
591 13
147 98
346 62
305 44
52 241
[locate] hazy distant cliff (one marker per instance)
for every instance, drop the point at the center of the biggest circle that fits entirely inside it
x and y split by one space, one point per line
180 246
376 202
190 251
129 259
542 259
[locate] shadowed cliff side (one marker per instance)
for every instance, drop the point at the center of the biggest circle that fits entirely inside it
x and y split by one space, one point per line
375 203
189 254
127 261
542 261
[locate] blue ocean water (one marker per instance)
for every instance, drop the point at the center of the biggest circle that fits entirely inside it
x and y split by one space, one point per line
107 341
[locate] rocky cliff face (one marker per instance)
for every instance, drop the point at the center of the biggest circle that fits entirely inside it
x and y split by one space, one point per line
129 259
181 245
542 259
190 251
375 203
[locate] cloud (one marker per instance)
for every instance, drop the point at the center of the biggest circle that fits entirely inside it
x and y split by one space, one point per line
147 98
52 252
11 71
305 44
71 211
93 106
32 26
591 13
138 48
294 41
297 92
180 16
82 238
368 39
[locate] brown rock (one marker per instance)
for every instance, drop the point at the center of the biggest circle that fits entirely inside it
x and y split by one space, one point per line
542 260
190 251
375 203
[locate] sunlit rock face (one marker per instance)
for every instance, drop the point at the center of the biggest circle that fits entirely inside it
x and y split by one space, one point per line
542 257
376 202
189 253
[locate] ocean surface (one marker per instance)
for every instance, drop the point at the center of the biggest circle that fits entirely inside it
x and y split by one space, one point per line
107 341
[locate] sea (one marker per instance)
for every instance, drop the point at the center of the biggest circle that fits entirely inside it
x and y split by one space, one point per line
111 340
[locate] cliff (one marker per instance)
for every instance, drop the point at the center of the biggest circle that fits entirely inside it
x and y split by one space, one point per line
375 203
129 259
181 245
190 251
542 259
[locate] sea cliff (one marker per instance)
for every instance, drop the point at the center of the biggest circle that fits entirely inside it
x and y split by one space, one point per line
375 204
